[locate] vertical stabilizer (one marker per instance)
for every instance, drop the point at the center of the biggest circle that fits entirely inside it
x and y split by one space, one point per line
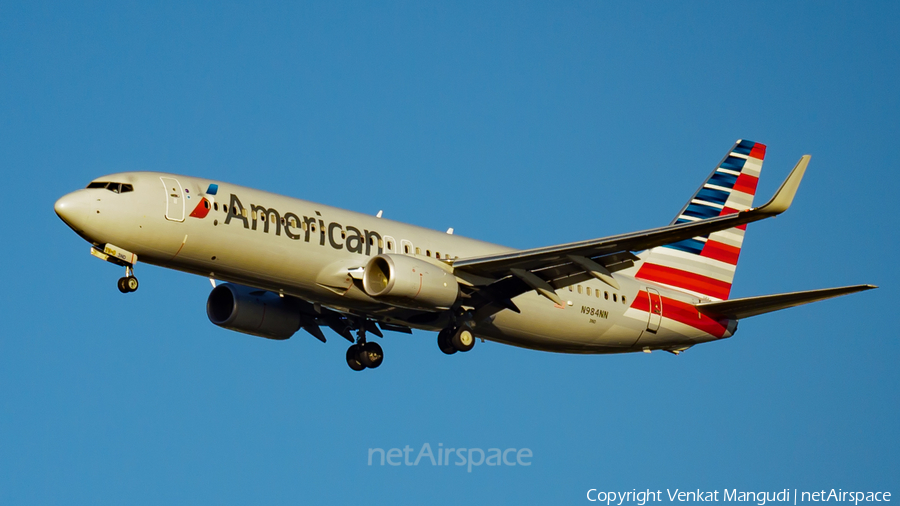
705 265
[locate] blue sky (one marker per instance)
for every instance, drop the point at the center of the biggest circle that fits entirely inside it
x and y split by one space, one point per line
525 124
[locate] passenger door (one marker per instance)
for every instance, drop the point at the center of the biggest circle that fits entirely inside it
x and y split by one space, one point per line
174 199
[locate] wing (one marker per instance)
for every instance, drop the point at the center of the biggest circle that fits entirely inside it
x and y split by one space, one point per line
501 277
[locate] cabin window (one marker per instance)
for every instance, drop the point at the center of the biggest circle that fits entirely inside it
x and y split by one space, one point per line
294 224
343 234
244 213
390 246
437 254
304 225
282 221
597 293
380 244
570 288
254 215
406 248
216 207
579 288
614 298
418 251
606 295
428 252
272 218
623 299
587 291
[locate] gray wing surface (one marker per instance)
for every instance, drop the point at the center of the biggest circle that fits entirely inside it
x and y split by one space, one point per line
506 275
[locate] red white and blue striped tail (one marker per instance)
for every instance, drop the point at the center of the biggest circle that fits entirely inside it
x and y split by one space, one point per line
704 266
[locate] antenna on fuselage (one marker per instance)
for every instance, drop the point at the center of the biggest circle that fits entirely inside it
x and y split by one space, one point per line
379 214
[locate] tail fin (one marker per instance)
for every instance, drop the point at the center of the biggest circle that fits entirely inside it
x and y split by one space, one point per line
705 265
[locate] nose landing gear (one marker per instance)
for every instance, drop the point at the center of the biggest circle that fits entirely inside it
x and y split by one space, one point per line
121 257
129 283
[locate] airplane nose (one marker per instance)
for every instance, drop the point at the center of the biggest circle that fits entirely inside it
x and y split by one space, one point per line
71 209
62 205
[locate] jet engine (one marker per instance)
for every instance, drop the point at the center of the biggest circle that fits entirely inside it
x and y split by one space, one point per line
407 281
251 311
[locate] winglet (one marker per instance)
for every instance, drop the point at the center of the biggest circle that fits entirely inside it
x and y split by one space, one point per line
782 199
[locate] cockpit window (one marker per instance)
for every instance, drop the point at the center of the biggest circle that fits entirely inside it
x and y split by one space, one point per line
113 187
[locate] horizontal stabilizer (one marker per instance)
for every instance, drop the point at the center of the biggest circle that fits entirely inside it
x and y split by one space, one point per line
752 306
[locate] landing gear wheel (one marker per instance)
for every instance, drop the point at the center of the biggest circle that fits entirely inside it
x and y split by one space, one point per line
371 355
444 344
127 284
463 340
131 283
353 353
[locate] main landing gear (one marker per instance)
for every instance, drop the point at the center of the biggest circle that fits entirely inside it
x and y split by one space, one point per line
451 340
129 283
364 354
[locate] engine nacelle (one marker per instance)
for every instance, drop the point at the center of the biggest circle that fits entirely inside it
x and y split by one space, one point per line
252 311
407 281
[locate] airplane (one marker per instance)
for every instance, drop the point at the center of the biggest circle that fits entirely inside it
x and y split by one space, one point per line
284 264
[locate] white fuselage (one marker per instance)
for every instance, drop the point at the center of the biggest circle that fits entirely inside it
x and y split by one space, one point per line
304 249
